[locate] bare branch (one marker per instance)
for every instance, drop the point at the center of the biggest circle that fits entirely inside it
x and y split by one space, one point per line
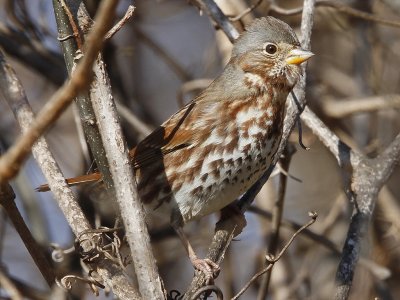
215 13
271 259
7 198
127 197
346 107
12 160
68 14
363 178
246 11
339 7
111 274
9 287
128 14
386 161
277 216
16 98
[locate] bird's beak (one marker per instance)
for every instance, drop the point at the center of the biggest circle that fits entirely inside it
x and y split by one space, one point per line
297 56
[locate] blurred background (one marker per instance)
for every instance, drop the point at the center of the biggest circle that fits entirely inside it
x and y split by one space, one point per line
161 59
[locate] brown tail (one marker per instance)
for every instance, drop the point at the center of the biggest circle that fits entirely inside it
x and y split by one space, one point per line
74 181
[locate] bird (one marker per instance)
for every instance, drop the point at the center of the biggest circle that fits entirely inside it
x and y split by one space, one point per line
218 145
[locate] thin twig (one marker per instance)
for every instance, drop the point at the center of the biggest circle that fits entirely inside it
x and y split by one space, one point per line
246 11
277 212
340 7
215 13
75 30
271 259
128 14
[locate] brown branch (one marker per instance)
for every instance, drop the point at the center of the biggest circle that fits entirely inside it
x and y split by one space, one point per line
71 21
128 14
9 287
11 161
7 198
16 99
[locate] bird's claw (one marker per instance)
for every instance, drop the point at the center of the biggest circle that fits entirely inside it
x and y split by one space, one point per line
209 268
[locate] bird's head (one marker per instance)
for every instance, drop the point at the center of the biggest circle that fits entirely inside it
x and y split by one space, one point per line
269 51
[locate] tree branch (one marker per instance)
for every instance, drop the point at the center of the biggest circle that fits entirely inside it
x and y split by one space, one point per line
131 209
215 14
12 160
112 275
66 14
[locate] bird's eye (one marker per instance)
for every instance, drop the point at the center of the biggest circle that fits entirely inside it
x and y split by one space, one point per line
270 48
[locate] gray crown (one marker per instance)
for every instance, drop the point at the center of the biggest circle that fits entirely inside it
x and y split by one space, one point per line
267 29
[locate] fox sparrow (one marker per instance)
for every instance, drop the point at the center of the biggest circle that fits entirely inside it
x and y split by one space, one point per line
213 149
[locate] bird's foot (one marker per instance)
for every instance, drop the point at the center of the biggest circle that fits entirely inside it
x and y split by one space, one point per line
209 268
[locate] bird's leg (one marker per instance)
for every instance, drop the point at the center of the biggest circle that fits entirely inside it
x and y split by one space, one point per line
206 266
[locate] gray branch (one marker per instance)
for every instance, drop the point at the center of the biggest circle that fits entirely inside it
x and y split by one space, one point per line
131 209
16 99
363 178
